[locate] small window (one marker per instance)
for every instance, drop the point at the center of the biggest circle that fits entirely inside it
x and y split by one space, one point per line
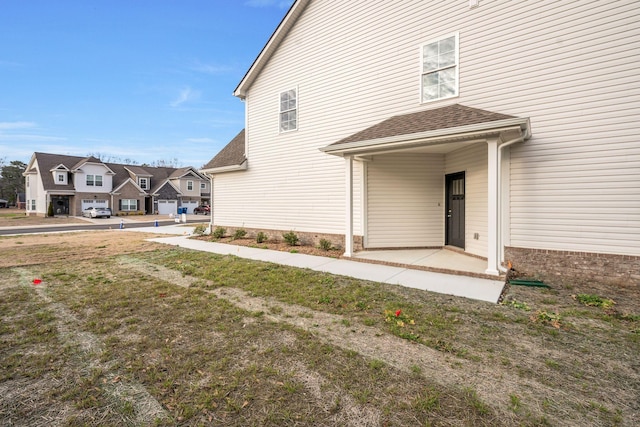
143 183
289 110
98 180
33 204
203 186
61 178
190 185
90 180
439 75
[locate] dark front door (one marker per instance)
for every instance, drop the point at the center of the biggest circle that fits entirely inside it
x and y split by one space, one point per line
455 210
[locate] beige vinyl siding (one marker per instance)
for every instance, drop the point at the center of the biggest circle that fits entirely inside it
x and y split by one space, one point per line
473 162
405 201
569 66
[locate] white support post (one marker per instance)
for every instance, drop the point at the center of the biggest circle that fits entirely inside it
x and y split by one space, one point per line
348 236
492 208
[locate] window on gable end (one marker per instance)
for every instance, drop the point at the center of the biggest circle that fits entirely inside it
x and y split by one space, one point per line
190 185
289 110
439 74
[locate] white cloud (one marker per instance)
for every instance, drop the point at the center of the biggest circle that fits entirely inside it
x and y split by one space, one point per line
211 69
16 125
29 138
186 95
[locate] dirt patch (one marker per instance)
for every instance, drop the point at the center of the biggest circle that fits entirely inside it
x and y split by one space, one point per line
30 249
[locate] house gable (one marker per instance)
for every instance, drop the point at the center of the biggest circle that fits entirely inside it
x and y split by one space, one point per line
166 191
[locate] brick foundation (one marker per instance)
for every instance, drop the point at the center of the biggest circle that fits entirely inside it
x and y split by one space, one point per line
311 239
572 267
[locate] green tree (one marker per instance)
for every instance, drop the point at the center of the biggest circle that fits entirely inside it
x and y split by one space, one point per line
11 180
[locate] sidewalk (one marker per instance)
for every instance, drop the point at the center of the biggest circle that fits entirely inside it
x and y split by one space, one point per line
462 286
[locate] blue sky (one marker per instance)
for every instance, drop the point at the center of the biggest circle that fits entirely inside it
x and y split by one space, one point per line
144 80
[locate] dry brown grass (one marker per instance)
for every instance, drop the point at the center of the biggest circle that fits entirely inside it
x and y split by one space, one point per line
126 332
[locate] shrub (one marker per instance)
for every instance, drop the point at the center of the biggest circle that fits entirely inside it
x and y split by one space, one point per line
261 237
219 232
239 234
199 230
291 238
325 244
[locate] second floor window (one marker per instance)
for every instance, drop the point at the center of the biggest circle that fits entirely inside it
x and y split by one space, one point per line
94 180
143 183
289 110
440 69
190 185
203 186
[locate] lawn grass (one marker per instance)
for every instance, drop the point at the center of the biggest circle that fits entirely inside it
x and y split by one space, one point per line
100 342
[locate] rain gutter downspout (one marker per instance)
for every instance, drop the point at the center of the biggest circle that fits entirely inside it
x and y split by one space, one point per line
500 216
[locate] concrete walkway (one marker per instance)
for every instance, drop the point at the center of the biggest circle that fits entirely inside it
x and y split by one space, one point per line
463 286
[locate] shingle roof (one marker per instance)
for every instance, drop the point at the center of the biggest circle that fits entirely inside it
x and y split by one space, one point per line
439 118
47 161
231 155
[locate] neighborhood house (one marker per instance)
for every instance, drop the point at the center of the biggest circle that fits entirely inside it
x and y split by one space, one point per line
71 185
505 130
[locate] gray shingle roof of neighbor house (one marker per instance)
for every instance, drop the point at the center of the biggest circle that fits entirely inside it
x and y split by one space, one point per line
451 116
47 161
231 155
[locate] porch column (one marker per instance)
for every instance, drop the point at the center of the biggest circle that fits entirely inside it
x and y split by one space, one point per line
492 208
348 236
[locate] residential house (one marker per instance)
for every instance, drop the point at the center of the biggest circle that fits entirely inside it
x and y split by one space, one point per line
506 130
72 184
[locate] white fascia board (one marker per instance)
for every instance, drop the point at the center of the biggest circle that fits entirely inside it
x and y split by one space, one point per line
233 168
272 45
433 137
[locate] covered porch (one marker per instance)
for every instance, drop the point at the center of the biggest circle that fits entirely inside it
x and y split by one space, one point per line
433 179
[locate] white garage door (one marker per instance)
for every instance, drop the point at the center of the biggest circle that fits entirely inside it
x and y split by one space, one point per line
190 206
166 207
89 203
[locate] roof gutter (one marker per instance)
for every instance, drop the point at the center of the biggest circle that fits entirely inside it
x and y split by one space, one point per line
222 169
433 137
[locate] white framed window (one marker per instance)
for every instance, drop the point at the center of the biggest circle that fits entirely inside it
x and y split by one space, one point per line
289 110
61 178
128 205
190 185
143 183
98 180
33 204
90 180
203 186
439 68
